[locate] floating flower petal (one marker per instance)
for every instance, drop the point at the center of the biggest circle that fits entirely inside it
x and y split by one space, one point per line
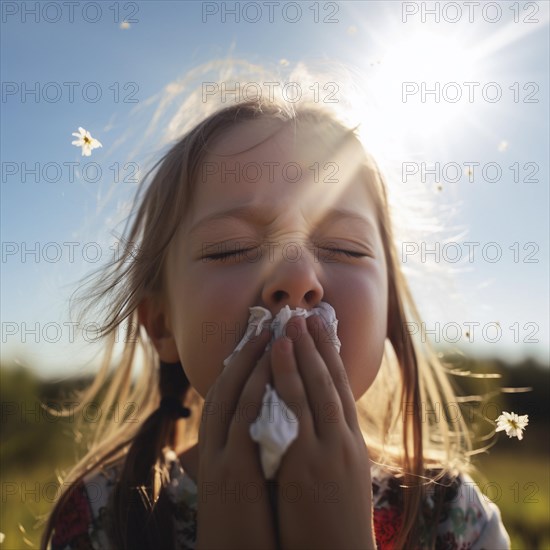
86 141
512 424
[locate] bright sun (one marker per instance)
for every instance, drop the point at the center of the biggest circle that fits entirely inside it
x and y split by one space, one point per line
421 85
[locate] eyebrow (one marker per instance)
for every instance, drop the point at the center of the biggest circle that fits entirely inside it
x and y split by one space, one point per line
262 216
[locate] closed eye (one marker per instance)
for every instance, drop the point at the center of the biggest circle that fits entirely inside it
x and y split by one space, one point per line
221 256
347 252
330 253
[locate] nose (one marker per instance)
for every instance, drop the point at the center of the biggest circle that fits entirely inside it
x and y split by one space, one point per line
292 280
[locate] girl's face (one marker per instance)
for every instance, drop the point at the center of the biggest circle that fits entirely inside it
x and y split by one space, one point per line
300 204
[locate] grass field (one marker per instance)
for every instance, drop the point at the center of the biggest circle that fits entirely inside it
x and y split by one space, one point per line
514 474
520 485
522 494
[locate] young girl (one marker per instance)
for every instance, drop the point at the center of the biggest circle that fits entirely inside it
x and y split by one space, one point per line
266 203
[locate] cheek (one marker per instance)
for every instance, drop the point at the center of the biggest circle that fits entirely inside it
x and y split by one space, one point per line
362 329
210 316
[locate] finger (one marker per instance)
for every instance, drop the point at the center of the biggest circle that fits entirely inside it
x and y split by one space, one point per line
324 338
249 404
321 393
289 384
221 400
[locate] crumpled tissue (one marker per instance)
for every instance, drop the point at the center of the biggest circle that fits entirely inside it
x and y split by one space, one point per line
277 426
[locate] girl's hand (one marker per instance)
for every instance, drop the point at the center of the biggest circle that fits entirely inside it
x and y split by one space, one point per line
325 491
234 510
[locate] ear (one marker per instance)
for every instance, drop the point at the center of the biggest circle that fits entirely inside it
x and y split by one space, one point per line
153 316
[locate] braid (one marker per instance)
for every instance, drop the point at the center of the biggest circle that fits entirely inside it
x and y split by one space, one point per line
142 511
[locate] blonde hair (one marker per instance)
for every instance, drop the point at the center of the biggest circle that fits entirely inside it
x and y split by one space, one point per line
409 369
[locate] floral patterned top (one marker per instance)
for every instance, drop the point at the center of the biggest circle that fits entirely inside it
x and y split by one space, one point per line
466 520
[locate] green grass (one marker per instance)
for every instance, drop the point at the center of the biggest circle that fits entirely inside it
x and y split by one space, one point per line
519 483
515 474
25 497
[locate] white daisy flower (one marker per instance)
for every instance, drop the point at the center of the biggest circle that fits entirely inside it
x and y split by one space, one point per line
86 141
512 424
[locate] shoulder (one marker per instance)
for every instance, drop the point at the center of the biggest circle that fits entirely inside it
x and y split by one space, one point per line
81 521
84 518
182 492
453 510
470 519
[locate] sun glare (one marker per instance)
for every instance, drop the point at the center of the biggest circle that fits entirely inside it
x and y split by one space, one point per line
420 86
430 56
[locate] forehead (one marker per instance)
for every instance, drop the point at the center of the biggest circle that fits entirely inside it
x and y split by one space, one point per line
298 140
306 166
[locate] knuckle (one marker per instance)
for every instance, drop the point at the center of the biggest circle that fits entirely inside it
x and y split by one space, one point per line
341 378
324 380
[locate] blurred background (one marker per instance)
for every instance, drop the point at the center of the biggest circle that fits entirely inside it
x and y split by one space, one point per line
453 103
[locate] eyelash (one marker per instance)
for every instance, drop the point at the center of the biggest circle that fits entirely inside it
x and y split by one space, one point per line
224 255
239 253
349 253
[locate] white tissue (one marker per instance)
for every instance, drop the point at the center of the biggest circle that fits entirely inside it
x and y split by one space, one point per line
277 426
260 315
274 430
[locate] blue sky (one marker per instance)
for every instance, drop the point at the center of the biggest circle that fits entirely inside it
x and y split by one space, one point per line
167 39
